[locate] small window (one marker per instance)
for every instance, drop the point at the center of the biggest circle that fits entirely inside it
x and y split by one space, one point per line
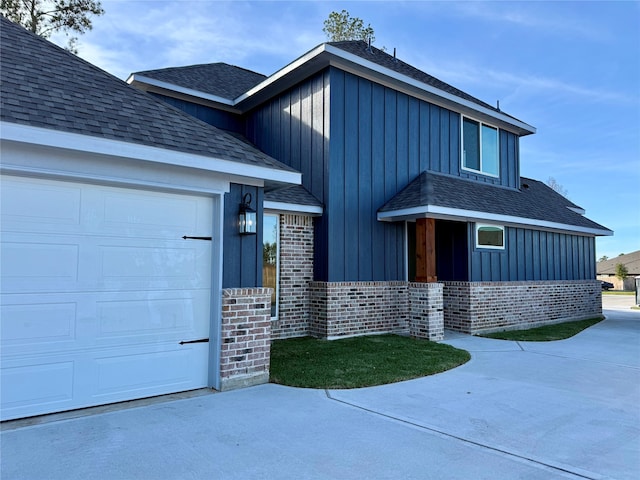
271 257
490 236
480 151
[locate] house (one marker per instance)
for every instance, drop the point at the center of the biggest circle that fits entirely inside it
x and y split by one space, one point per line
606 270
147 229
116 210
427 222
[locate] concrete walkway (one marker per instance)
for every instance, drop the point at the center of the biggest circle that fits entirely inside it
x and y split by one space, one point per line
568 409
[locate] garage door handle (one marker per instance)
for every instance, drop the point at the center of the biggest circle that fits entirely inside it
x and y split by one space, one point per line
202 340
196 238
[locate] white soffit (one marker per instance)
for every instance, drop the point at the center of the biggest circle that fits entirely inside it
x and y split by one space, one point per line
292 207
85 143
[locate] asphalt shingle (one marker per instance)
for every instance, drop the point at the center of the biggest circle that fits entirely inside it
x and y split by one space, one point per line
295 194
45 86
219 79
375 55
534 200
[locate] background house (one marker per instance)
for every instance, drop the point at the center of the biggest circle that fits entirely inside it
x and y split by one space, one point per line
606 270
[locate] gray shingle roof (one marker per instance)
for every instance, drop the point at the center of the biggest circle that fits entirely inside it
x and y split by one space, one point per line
534 200
630 260
375 55
45 86
219 79
295 194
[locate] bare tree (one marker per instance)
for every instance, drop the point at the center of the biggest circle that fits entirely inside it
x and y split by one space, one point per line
552 182
44 17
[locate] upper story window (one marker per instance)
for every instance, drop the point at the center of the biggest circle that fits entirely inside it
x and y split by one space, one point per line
480 147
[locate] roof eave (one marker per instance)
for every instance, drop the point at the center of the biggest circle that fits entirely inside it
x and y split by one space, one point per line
153 85
312 210
45 137
359 66
448 213
325 55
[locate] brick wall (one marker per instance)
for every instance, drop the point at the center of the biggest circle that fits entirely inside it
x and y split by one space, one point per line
474 307
246 337
426 316
296 272
341 309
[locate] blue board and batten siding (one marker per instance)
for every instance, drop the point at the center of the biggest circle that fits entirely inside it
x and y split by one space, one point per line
218 118
242 260
534 255
357 144
294 128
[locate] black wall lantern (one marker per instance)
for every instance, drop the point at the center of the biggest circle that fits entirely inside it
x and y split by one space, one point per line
247 217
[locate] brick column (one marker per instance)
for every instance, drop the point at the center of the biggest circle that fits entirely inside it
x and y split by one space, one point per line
296 272
246 337
426 312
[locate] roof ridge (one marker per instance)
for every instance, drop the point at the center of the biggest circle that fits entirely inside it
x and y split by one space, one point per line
198 65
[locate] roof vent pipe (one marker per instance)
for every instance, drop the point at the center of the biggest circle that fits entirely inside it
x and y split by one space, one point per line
369 47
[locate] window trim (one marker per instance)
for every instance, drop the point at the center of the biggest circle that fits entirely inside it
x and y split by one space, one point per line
462 159
277 289
502 228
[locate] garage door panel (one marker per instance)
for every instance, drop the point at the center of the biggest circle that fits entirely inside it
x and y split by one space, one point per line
149 262
37 323
40 262
42 383
32 203
146 371
98 291
151 213
156 319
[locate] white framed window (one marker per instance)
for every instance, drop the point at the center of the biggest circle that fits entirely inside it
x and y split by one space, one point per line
480 147
271 258
490 236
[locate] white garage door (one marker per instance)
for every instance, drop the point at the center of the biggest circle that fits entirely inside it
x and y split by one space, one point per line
98 290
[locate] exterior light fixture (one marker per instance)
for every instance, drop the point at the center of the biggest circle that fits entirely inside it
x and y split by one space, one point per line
247 217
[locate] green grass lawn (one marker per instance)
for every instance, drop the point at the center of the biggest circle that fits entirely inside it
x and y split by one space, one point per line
359 361
548 333
618 292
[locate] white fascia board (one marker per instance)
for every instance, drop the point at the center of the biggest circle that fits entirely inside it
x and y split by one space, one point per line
176 88
292 207
579 210
283 72
351 58
84 143
447 213
361 62
428 88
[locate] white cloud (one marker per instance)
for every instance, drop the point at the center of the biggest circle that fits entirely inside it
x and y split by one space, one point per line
139 35
532 16
458 73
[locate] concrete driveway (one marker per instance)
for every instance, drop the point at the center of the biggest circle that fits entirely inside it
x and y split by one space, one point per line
568 409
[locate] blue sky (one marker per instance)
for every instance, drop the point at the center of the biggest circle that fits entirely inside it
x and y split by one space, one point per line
571 69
